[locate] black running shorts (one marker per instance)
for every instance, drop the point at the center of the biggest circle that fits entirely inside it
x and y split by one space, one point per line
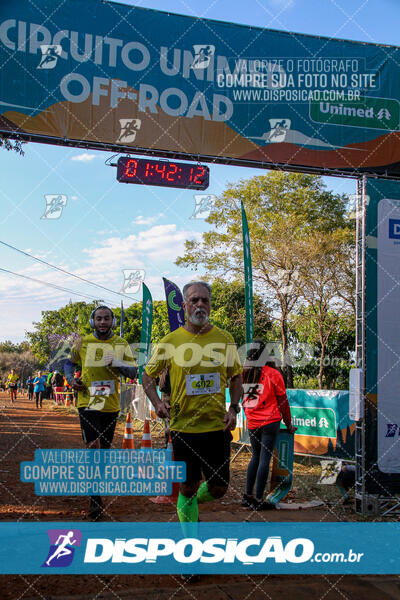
96 424
205 454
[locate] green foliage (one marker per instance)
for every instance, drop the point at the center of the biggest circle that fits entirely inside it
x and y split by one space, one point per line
9 346
23 362
228 311
15 145
281 208
287 215
160 321
337 359
132 321
70 319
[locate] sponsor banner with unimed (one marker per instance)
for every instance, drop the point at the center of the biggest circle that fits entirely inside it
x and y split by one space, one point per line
135 79
324 427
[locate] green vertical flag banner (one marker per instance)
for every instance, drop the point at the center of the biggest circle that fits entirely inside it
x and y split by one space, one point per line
248 278
145 334
121 325
121 333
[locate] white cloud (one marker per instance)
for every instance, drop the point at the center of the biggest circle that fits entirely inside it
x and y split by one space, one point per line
159 243
85 157
154 250
164 242
141 220
106 231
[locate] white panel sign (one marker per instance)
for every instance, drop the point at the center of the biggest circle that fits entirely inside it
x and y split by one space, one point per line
356 394
388 338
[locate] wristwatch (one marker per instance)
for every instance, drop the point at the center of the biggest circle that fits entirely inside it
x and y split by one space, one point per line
235 407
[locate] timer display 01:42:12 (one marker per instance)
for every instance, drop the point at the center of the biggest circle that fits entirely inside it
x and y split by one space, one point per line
163 172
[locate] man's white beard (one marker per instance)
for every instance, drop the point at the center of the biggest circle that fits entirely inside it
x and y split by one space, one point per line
199 317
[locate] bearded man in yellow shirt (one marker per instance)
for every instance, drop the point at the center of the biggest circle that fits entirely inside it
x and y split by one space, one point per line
200 358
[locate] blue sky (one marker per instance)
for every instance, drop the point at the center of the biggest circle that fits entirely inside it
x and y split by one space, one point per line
105 226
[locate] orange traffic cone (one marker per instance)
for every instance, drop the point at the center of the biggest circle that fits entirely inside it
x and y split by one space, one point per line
128 441
175 486
67 399
146 438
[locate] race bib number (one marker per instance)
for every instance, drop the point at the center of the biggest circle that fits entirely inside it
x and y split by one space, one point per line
102 388
208 383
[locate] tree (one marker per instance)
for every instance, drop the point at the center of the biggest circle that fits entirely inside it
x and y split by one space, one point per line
15 145
24 363
282 210
160 326
337 359
321 279
341 349
132 321
229 313
57 325
8 346
344 269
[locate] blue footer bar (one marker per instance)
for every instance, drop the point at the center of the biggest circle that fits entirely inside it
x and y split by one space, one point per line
212 548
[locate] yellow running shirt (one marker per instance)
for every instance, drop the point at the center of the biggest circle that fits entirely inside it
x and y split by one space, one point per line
199 365
102 382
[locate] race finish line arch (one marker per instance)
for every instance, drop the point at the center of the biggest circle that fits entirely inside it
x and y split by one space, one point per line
245 96
216 91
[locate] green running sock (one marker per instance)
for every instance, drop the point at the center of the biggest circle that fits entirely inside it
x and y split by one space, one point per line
203 495
188 513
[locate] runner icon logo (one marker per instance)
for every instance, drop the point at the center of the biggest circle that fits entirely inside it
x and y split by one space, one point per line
133 279
279 129
129 129
54 206
204 203
203 54
251 394
62 547
50 56
391 429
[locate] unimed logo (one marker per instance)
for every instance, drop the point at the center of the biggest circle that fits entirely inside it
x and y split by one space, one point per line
190 550
394 229
370 112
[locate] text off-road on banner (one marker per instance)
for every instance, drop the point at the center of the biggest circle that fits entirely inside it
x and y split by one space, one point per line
143 81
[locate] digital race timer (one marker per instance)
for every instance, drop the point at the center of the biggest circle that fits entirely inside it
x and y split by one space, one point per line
162 172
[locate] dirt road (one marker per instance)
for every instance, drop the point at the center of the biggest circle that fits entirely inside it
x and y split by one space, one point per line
23 429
